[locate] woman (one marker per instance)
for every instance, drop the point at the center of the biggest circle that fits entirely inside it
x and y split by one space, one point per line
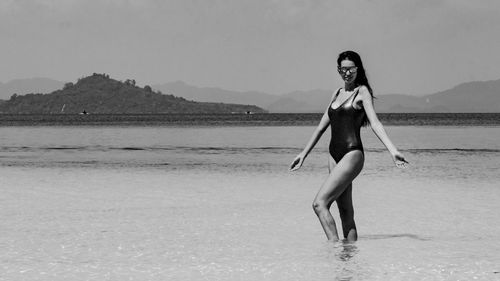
350 108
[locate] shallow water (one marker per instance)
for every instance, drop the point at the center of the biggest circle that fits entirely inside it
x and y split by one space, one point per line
219 204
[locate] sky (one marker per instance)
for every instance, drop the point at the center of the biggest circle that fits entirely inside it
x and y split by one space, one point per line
410 47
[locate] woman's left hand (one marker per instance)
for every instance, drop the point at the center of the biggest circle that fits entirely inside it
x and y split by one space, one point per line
297 162
399 160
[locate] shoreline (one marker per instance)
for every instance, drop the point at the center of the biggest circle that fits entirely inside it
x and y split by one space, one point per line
245 120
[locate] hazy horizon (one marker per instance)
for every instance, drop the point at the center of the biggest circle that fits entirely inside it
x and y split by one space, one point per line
140 84
218 87
275 47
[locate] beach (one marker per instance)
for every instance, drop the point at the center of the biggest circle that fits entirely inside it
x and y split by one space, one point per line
218 203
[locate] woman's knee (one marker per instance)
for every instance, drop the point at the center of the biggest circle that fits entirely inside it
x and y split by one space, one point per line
319 206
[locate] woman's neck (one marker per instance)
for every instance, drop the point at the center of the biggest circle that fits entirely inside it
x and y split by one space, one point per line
349 86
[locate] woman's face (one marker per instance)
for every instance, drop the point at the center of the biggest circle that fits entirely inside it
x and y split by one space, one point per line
348 71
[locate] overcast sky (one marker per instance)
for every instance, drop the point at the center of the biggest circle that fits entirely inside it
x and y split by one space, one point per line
275 46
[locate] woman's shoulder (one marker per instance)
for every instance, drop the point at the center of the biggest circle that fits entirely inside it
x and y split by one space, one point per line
363 91
363 88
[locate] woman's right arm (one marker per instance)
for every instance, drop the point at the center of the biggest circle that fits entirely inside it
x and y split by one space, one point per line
318 132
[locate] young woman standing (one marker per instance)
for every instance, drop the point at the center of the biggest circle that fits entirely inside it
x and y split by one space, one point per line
351 107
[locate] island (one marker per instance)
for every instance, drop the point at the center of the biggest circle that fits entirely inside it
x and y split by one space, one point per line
100 94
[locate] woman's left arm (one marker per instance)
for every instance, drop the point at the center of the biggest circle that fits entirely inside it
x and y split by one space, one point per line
378 128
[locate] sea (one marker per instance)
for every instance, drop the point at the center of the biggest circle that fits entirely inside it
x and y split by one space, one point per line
211 197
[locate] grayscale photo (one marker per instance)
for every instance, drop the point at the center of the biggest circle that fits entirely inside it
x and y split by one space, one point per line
227 140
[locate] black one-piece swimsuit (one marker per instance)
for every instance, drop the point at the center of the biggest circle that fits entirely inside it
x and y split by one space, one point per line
345 122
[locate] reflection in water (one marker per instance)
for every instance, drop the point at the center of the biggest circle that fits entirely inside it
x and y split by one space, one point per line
343 255
348 251
347 258
349 265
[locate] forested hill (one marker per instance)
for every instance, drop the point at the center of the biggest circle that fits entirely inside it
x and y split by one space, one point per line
100 94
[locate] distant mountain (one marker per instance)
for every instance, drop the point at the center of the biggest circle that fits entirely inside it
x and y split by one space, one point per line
480 96
397 103
100 94
302 102
208 94
28 86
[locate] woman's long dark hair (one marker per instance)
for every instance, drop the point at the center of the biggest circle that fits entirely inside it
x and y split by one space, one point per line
361 79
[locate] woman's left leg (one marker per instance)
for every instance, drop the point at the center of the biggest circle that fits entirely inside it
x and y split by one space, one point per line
346 211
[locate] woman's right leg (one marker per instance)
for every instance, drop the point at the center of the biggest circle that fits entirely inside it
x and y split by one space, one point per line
338 180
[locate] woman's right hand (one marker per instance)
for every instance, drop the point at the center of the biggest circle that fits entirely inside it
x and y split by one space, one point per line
297 162
399 160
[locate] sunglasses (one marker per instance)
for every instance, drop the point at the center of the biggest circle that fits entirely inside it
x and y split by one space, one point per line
351 69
